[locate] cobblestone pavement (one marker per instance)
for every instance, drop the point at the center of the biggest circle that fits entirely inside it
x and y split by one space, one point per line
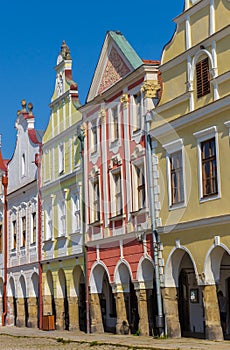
28 338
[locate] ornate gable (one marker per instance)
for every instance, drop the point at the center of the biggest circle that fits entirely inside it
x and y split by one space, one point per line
115 69
117 59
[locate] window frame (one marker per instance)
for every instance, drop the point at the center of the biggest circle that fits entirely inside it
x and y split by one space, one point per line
202 136
95 212
172 148
137 166
61 158
117 210
203 86
137 109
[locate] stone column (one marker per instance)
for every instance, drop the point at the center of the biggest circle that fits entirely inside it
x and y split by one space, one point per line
143 312
20 322
122 326
73 314
59 302
95 314
171 312
33 312
213 330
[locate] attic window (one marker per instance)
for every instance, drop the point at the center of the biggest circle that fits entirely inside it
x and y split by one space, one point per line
202 78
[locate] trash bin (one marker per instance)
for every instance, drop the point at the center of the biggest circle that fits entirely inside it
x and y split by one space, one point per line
48 323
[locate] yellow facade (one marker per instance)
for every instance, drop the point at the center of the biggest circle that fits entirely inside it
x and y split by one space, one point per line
191 129
63 257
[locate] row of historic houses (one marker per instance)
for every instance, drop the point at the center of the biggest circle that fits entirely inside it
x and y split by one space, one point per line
116 217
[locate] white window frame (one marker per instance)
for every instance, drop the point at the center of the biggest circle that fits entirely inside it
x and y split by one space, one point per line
62 217
61 158
48 222
13 218
23 216
137 165
171 148
113 194
113 138
34 238
94 137
201 136
23 164
76 212
136 116
93 215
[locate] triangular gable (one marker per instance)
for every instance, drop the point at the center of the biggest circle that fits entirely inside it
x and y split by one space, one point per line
117 60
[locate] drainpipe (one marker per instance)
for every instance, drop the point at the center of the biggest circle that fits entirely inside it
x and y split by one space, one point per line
5 184
81 137
155 237
38 164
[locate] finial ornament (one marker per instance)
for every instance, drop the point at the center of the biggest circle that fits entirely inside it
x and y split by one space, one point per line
23 105
30 107
65 51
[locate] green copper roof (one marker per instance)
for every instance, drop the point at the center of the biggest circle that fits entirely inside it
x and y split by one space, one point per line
126 49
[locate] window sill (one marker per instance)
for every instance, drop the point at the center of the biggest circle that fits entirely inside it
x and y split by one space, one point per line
96 223
209 198
48 240
62 237
118 217
76 232
136 131
177 206
139 212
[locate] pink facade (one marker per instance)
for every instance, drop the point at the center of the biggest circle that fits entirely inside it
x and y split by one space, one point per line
118 229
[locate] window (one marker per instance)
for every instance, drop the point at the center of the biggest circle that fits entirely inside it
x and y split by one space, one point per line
0 238
137 112
76 223
139 195
202 78
62 218
176 177
14 235
115 124
61 158
95 201
23 165
23 232
48 223
209 167
175 173
94 137
117 193
33 227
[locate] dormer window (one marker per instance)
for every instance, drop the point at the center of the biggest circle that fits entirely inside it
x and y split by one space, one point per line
202 78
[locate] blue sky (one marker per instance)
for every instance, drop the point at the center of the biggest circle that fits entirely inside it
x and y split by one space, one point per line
31 37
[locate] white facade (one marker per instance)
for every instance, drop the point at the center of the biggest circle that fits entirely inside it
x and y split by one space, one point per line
23 214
